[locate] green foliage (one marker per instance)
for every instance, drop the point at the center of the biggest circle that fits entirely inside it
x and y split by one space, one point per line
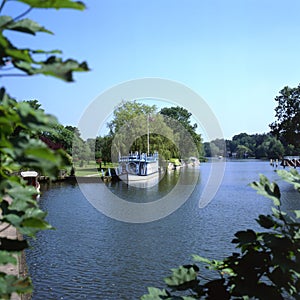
20 149
287 126
132 136
102 148
27 61
11 284
168 134
21 124
57 4
244 145
127 111
267 265
67 138
183 128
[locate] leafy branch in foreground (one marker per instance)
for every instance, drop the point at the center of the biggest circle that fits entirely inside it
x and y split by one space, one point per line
20 146
267 265
21 149
27 61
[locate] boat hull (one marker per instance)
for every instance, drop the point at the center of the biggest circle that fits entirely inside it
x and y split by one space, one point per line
140 181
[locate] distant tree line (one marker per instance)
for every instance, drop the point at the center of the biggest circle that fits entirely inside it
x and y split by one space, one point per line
244 145
282 140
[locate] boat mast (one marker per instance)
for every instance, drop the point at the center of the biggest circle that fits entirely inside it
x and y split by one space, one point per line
148 136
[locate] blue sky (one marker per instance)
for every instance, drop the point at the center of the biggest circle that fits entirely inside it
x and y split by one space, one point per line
237 55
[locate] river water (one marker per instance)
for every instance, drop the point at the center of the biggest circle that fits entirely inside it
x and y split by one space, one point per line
92 256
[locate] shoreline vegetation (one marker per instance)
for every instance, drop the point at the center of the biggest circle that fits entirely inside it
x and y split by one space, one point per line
93 170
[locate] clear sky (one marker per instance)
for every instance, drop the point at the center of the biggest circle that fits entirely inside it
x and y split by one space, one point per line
236 54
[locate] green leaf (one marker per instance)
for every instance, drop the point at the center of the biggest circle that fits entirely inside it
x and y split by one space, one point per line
297 213
8 50
36 223
276 212
41 155
198 258
46 52
5 20
21 193
13 220
57 4
54 66
267 189
291 176
217 290
12 284
7 258
154 294
25 25
182 278
266 221
246 237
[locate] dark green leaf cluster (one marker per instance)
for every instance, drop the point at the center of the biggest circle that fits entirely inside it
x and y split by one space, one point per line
267 265
28 61
21 126
21 149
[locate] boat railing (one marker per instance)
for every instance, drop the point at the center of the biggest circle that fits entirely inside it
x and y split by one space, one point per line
141 157
291 157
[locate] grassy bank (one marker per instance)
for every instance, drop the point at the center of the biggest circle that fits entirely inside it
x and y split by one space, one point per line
89 169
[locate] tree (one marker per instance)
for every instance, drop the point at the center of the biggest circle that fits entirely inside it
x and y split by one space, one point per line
133 136
129 132
287 124
103 148
216 147
183 117
242 151
127 111
274 148
34 104
58 137
245 140
20 147
270 148
67 138
266 265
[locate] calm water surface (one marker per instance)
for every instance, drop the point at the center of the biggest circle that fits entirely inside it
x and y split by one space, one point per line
91 256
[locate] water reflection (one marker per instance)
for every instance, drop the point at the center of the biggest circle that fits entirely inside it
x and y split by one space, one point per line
136 192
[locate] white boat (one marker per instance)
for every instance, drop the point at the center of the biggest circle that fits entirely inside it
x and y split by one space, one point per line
193 162
31 177
138 167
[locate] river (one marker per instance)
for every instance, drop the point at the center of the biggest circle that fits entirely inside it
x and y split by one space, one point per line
92 256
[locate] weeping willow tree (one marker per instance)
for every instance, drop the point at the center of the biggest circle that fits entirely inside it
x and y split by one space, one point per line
139 128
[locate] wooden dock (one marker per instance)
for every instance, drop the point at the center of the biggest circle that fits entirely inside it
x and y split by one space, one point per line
291 161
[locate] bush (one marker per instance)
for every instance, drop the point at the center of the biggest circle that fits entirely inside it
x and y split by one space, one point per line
266 266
